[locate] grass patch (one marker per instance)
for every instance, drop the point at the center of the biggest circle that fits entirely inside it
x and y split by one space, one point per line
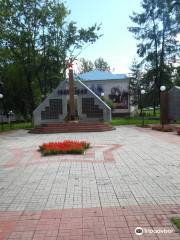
114 122
176 222
15 126
132 121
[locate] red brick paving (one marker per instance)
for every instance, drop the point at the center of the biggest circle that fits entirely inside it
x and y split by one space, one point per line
89 157
111 223
17 154
169 137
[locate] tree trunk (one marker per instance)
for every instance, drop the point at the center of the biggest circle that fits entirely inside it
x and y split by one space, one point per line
30 90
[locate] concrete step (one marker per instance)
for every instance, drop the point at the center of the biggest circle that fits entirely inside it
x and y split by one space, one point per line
72 127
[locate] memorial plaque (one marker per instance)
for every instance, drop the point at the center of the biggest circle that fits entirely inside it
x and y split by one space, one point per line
91 109
52 112
174 103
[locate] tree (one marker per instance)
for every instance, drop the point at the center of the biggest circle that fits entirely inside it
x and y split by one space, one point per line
101 64
135 83
86 65
177 77
156 28
36 41
175 8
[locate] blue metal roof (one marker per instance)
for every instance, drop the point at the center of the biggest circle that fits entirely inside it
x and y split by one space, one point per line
101 75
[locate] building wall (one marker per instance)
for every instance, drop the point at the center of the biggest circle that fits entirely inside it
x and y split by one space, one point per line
116 90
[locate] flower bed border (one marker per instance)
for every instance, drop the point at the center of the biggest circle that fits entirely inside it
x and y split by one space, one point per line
166 128
178 130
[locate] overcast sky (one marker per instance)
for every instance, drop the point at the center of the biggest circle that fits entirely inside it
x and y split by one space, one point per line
117 45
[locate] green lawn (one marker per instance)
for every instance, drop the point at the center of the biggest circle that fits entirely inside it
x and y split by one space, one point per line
132 121
114 122
14 126
176 222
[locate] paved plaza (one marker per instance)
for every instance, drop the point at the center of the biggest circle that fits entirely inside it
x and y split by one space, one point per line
129 178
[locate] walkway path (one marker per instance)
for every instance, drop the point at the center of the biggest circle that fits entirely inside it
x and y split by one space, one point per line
129 178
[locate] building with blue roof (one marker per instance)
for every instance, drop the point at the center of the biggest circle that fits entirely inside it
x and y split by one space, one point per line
101 75
112 86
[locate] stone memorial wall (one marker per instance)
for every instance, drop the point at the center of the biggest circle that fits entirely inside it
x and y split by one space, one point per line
174 103
54 108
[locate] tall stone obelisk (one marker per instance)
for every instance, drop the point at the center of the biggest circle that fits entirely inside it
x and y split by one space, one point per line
71 93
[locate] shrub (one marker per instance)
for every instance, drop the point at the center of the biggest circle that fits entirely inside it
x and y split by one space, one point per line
108 101
176 222
65 147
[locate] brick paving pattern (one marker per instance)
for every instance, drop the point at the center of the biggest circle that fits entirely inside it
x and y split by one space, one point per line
129 178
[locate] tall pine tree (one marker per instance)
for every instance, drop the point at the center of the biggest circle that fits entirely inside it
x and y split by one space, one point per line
156 28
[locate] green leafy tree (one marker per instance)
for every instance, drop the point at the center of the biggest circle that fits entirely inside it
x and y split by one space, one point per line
36 41
156 28
101 64
86 65
175 6
177 77
135 82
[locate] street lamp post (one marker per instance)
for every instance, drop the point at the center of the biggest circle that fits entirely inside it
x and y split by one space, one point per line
163 88
1 97
10 114
142 93
162 105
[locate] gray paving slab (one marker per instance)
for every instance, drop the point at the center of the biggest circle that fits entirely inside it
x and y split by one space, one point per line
145 169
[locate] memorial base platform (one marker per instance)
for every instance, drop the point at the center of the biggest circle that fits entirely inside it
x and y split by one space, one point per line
68 127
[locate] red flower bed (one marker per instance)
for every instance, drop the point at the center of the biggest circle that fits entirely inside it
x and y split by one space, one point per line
65 147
